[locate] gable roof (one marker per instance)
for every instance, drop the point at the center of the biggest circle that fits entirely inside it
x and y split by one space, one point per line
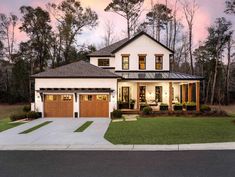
109 51
80 69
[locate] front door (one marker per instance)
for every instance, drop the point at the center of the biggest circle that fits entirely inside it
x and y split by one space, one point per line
158 93
125 97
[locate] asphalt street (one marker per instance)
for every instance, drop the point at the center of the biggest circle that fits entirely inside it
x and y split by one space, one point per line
117 164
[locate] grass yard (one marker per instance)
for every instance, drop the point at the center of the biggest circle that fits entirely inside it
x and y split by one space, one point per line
84 126
36 127
174 130
5 124
5 112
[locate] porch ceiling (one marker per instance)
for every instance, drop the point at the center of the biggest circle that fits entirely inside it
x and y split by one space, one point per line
135 75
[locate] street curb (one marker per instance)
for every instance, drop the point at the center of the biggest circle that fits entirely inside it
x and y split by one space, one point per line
75 147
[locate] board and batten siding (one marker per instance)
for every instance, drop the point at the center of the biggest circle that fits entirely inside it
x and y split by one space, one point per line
143 45
76 83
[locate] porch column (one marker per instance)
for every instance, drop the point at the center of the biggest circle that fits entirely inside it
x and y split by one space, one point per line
198 96
138 95
190 89
170 96
183 93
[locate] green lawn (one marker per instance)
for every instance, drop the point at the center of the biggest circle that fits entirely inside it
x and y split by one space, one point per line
5 124
84 126
173 130
36 127
5 112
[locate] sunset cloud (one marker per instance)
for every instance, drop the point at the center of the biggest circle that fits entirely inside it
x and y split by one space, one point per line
208 11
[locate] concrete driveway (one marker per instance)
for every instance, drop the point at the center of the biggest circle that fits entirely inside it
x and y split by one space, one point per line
59 132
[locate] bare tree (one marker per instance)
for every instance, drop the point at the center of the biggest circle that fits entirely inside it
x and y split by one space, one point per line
7 33
130 10
108 33
190 9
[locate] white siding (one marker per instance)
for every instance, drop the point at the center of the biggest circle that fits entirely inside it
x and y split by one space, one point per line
143 45
75 83
94 61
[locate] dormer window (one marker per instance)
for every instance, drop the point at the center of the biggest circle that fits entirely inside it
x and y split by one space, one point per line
158 62
125 62
142 62
103 62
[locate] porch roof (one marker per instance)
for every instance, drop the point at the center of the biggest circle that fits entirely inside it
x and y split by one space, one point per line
156 75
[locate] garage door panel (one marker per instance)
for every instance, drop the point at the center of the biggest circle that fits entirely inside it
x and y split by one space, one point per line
94 106
58 106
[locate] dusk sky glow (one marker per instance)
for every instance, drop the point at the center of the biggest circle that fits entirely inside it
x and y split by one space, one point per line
209 10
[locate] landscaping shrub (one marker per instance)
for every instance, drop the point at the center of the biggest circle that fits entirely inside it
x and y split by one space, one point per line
33 115
147 110
15 117
163 107
26 108
178 107
205 108
116 114
191 106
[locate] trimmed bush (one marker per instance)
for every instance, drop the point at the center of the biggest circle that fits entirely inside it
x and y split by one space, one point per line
15 117
116 114
178 107
191 106
147 110
27 108
205 108
33 115
163 107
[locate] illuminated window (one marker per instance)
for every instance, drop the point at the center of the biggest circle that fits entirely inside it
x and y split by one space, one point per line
50 97
103 62
125 62
87 97
102 97
159 61
66 97
142 62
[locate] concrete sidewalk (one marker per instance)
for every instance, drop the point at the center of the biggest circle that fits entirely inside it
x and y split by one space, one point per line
180 147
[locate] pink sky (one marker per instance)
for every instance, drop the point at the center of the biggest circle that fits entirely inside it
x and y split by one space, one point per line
208 11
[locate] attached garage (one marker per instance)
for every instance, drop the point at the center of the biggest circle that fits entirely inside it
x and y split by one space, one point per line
94 105
58 106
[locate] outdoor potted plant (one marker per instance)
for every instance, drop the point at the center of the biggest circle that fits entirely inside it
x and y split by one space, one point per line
119 104
178 107
191 106
132 103
163 107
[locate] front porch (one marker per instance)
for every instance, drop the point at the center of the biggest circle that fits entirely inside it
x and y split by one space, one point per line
134 95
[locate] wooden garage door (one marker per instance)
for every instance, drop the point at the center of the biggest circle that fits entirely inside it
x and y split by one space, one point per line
94 106
58 106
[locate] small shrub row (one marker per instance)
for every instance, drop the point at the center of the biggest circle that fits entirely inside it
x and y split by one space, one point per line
29 115
116 114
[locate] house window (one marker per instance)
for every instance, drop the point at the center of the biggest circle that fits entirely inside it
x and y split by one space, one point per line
125 62
142 62
158 93
159 61
103 62
102 97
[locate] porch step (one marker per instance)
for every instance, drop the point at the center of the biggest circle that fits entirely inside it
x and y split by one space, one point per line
130 111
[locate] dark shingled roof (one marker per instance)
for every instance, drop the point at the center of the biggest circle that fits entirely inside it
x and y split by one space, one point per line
107 51
110 50
158 75
80 69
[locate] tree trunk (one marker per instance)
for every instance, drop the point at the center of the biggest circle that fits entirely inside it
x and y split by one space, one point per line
128 28
228 74
190 50
214 81
208 88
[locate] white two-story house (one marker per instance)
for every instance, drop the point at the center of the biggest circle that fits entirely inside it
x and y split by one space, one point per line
135 70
